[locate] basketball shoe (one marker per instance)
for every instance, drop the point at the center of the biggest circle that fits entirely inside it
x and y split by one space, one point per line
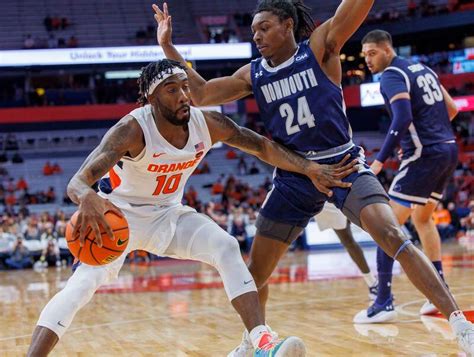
428 308
245 349
269 346
464 331
377 313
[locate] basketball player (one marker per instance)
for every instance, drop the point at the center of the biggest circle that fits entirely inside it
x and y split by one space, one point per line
421 112
145 161
297 88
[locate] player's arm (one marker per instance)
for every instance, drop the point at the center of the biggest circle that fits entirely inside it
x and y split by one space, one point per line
323 177
124 137
327 40
394 85
450 104
212 92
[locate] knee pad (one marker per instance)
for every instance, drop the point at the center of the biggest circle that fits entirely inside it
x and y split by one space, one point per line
61 309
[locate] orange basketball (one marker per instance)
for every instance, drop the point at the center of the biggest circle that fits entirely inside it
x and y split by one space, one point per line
90 253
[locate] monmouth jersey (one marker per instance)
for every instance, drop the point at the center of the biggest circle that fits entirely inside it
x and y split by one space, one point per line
431 124
301 108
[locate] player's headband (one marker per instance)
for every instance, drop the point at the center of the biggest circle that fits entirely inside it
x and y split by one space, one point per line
162 76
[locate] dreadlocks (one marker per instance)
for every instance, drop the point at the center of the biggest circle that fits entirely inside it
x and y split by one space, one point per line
295 9
150 73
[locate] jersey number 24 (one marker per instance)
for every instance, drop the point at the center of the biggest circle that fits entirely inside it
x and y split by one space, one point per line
303 116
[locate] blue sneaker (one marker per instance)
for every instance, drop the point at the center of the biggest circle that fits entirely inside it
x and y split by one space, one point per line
75 264
270 346
377 313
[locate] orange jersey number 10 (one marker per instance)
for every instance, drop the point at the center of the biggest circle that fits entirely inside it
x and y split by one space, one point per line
167 184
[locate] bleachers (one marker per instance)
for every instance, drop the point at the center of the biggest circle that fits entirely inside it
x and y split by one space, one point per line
114 23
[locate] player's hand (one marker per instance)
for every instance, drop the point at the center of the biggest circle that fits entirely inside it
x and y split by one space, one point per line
163 20
376 167
91 217
326 176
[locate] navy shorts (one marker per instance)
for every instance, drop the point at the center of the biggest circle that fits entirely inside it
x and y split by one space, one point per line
294 199
424 176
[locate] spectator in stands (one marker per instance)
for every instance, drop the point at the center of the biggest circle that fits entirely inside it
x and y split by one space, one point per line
205 169
17 159
48 169
242 166
72 42
21 184
55 22
48 235
191 196
231 154
254 170
31 231
217 187
10 199
3 157
11 143
217 216
412 7
29 42
50 255
48 24
50 195
65 23
52 41
140 36
19 257
442 219
56 169
61 42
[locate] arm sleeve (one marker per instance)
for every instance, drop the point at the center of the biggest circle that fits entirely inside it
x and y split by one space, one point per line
401 120
393 82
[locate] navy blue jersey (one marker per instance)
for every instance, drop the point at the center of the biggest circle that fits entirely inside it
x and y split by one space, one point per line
300 107
431 124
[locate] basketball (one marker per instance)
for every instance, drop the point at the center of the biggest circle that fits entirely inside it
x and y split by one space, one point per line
90 253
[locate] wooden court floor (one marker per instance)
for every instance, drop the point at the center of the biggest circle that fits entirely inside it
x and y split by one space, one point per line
175 309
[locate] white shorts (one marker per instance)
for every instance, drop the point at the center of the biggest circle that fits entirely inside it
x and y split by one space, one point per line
331 218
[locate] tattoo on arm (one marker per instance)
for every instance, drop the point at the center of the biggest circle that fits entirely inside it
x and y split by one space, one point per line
257 145
113 146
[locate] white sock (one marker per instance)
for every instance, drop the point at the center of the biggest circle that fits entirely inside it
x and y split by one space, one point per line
458 322
256 334
370 279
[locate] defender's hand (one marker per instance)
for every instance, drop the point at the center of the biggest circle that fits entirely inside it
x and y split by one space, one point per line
163 20
92 211
376 167
326 176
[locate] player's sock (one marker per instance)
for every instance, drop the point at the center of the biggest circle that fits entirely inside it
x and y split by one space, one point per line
439 268
257 333
370 279
384 267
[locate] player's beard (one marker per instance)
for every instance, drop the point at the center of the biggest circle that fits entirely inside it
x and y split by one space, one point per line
172 117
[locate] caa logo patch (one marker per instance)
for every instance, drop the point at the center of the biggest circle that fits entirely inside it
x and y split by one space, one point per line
302 57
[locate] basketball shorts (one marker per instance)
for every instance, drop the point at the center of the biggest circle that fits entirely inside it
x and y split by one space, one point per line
331 218
424 177
294 200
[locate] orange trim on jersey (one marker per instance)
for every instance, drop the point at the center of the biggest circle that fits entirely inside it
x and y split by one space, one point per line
115 180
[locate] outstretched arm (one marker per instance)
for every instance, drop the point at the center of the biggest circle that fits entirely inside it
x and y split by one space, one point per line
212 92
124 137
323 176
334 33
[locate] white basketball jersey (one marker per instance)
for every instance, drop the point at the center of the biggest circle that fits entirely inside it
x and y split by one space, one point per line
157 176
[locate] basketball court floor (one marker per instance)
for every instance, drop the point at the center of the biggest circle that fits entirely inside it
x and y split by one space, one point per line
178 308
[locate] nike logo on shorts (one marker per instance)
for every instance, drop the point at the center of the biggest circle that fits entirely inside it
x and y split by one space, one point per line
158 155
60 324
247 282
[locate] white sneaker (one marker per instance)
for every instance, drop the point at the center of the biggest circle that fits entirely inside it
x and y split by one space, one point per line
428 308
464 331
245 349
377 313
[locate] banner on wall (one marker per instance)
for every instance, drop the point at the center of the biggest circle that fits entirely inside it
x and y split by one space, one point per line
128 54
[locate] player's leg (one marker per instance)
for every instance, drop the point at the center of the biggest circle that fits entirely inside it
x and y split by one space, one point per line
58 314
199 238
